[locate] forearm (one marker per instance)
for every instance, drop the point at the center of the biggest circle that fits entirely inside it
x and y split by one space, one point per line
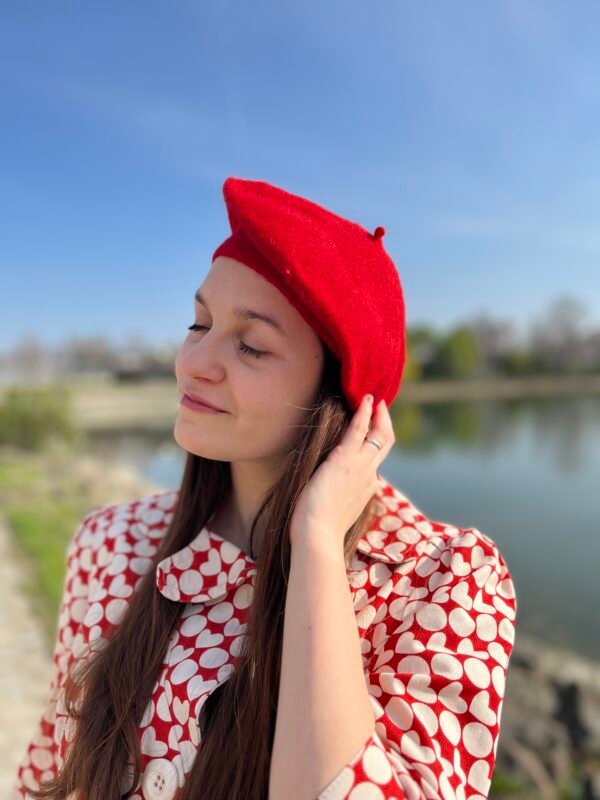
324 713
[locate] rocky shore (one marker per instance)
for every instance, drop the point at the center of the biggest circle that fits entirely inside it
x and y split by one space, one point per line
550 724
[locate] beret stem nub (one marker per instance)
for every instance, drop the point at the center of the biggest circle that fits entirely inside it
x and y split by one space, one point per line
378 232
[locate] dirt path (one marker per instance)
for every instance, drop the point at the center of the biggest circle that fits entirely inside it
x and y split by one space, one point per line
25 662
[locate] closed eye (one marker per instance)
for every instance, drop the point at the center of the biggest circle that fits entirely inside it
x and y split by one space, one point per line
243 347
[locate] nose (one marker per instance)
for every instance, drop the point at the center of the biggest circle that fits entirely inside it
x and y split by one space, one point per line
201 358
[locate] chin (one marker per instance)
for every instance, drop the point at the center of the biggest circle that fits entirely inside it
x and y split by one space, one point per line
190 439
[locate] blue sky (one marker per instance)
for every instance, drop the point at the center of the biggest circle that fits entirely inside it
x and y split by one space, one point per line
469 130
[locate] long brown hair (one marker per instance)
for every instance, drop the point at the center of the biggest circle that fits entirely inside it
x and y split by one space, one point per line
109 694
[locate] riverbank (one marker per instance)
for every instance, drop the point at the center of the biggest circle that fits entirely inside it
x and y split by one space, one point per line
101 404
42 500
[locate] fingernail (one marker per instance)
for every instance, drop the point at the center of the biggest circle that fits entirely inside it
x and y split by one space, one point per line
369 398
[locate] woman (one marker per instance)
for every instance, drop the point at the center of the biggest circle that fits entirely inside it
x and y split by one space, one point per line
287 623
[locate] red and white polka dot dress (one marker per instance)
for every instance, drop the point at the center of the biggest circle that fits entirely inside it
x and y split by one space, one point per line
435 607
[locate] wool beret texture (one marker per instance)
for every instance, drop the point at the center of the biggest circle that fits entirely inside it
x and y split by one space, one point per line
336 274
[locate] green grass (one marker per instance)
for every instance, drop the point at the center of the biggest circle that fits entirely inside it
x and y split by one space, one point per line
42 510
16 474
505 784
43 532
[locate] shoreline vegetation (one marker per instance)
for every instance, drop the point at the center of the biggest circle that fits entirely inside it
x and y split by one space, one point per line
549 744
103 404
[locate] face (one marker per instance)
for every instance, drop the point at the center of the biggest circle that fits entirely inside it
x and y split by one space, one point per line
263 396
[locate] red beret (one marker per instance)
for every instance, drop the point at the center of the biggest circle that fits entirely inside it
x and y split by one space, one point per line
333 271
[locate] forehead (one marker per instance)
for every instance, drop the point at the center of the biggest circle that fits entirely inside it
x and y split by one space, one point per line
246 313
232 285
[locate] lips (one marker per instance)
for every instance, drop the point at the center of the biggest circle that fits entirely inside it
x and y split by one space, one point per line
199 399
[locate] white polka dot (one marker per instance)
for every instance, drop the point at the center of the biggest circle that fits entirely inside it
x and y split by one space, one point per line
117 528
94 615
190 582
477 739
507 630
432 617
140 565
151 516
427 716
478 672
115 610
221 612
445 664
166 501
78 609
376 765
400 713
236 569
460 622
487 630
450 727
85 559
193 625
427 566
184 671
42 759
214 657
243 596
117 565
95 633
162 708
499 680
498 653
183 559
365 616
366 791
148 714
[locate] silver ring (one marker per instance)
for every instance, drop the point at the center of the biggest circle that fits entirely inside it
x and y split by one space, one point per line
373 441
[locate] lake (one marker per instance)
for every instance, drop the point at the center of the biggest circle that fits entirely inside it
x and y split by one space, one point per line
525 472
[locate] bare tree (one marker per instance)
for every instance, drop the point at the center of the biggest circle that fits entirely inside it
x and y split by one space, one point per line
559 337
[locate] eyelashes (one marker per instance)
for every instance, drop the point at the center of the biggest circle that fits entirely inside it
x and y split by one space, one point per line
243 347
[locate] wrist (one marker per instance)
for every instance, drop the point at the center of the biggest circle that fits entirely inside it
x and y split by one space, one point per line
317 541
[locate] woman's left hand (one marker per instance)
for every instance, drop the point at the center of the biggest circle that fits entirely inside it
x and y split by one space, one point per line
343 484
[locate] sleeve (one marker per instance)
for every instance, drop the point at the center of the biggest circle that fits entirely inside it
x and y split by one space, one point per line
41 759
436 673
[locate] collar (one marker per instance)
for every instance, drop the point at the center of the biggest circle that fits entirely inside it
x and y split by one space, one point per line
209 567
205 570
398 528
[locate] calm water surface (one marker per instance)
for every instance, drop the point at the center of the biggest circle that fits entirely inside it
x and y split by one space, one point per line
525 472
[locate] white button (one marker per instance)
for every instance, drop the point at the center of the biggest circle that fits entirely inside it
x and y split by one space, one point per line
159 779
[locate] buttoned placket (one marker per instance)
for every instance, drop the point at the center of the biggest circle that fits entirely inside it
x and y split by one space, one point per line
202 574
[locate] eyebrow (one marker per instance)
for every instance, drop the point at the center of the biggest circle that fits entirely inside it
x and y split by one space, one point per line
248 313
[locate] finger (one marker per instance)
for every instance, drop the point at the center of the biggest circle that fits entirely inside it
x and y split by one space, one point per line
383 421
359 424
382 432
